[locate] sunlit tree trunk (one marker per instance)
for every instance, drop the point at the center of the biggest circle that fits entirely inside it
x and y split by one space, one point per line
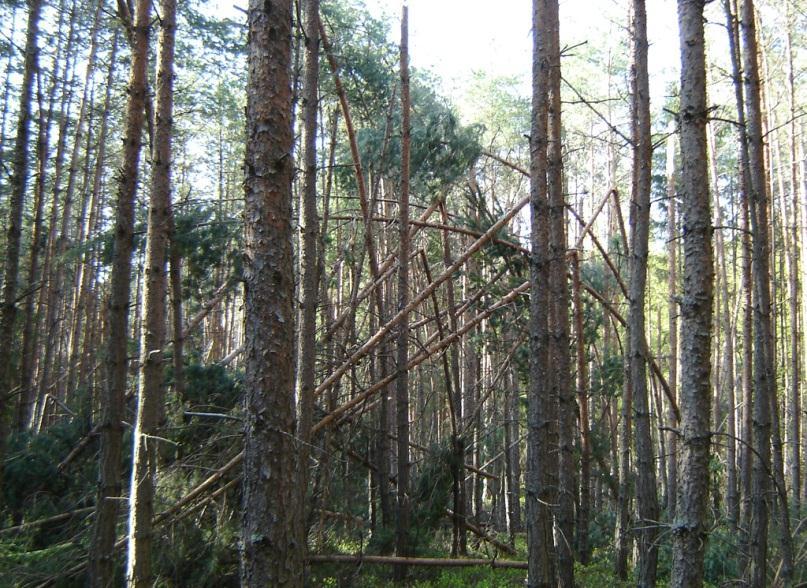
151 390
114 392
272 548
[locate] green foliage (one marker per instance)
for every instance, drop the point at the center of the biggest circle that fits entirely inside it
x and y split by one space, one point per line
205 240
31 479
432 489
212 387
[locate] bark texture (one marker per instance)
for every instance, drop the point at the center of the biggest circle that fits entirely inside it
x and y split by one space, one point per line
272 545
646 495
689 529
538 501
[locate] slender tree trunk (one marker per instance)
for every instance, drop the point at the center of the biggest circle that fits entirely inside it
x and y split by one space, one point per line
272 547
584 509
690 534
310 270
540 550
672 322
16 202
112 405
402 378
764 372
795 265
646 493
559 297
151 389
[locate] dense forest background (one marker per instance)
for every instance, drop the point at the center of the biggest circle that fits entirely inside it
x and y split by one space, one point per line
277 311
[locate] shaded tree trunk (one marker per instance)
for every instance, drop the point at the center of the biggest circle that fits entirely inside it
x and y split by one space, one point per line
540 455
16 202
690 535
402 378
646 493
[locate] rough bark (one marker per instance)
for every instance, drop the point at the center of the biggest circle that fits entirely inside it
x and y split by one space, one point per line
646 493
272 546
689 529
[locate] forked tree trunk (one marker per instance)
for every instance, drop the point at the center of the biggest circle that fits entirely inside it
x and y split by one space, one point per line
690 534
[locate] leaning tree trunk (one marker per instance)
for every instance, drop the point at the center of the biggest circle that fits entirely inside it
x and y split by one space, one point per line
272 542
646 493
690 534
19 183
102 561
150 390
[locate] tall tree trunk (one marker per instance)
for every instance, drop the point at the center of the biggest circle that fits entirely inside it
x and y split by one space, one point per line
764 370
795 265
402 356
584 509
689 538
310 269
151 390
272 543
559 297
646 494
540 549
19 183
672 324
112 405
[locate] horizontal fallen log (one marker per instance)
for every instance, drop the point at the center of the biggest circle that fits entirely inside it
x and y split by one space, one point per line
47 521
417 561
